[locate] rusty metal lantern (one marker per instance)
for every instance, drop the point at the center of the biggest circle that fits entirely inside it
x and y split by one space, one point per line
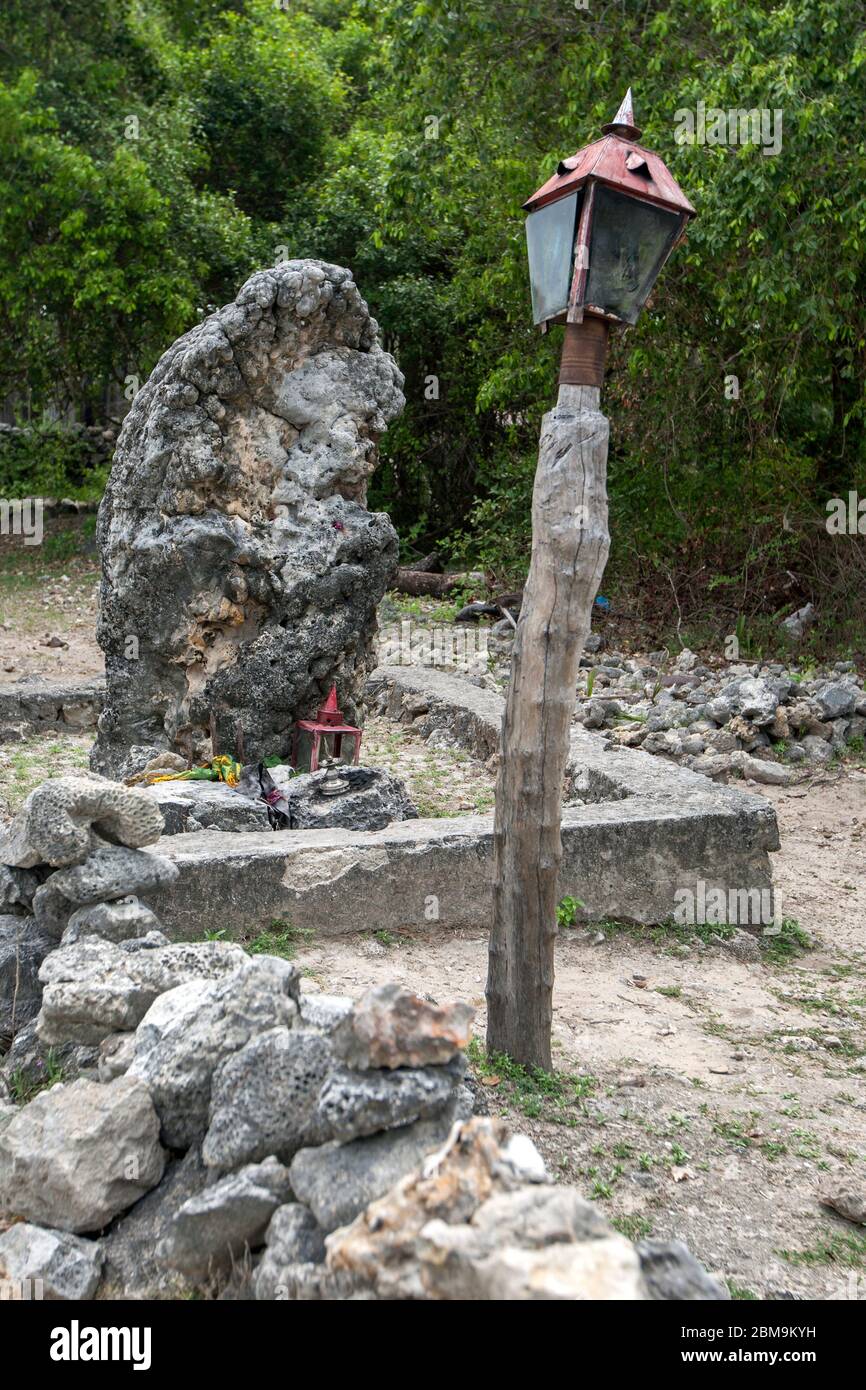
598 233
325 738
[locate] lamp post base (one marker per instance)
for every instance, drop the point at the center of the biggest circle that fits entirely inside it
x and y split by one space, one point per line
584 352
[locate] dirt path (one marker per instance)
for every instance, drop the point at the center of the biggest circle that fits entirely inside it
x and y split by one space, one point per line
715 1101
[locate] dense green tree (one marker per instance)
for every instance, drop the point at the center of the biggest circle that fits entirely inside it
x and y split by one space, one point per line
401 137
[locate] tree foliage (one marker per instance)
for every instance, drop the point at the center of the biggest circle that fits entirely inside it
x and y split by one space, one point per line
401 137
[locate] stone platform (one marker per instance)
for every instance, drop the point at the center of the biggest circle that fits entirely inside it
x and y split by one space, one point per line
635 831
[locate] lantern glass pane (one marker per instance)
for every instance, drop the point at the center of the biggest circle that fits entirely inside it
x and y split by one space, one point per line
629 245
341 747
550 244
305 750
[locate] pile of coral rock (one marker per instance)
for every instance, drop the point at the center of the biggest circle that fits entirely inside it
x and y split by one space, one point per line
764 722
218 1131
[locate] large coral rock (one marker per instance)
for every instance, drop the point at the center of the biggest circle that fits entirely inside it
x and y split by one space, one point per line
63 819
78 1155
95 987
189 1031
241 569
392 1027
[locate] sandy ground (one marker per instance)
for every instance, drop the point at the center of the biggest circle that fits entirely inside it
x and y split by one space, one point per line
684 1106
694 1095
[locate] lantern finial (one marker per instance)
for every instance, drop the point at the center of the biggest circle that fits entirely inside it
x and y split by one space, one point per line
623 122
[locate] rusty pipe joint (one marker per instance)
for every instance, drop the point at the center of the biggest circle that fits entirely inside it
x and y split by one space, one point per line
584 352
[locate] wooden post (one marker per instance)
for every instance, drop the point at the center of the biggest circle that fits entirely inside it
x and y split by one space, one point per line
569 550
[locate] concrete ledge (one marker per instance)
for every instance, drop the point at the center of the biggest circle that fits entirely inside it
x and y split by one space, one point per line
647 829
37 706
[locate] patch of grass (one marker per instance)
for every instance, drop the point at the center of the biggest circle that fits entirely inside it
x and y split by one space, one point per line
633 1227
24 1088
386 938
280 939
669 991
24 765
840 1249
737 1291
791 941
557 1097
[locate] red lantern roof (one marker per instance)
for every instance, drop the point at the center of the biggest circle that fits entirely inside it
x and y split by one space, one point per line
329 718
620 162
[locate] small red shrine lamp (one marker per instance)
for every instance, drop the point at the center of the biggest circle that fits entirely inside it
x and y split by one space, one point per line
325 738
598 233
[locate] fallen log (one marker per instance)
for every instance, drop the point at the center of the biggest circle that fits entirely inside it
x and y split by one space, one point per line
419 583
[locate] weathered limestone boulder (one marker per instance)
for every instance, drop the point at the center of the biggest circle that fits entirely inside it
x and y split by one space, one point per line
217 1225
64 818
48 1264
241 568
293 1238
374 800
392 1027
189 1031
95 987
23 947
78 1155
264 1098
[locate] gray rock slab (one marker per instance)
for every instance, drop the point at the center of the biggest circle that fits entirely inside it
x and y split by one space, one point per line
189 1031
49 1264
113 921
337 1181
219 1224
97 987
79 1154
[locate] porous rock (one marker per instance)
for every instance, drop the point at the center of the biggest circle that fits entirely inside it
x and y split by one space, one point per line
111 871
354 1103
234 536
53 1265
264 1098
220 1223
392 1027
23 947
189 1031
65 817
97 987
79 1154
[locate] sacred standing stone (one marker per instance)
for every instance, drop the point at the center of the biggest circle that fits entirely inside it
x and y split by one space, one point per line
240 567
